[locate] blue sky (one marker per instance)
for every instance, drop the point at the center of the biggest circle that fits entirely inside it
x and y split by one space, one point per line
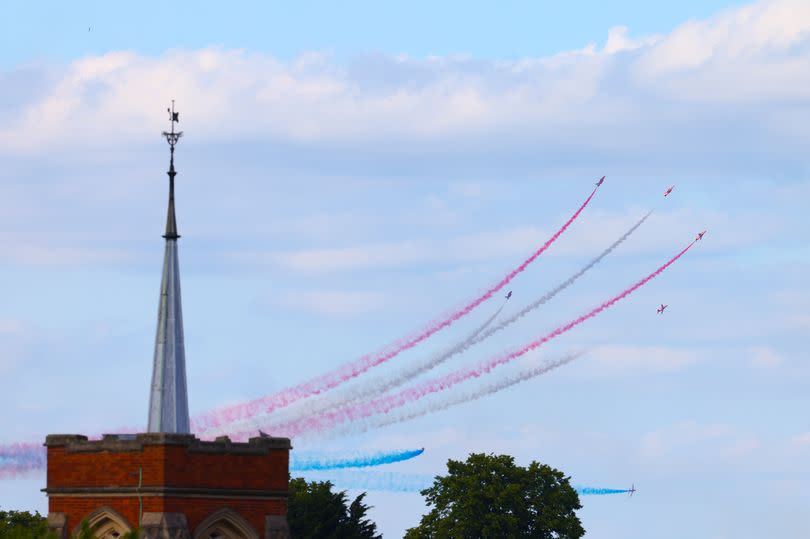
348 175
56 31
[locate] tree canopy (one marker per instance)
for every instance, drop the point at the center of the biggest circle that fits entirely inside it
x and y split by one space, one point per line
26 525
489 496
314 511
22 525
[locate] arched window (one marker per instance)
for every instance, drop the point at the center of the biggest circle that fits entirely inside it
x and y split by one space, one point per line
106 524
225 524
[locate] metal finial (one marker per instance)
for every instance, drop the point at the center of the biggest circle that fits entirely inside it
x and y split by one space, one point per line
171 136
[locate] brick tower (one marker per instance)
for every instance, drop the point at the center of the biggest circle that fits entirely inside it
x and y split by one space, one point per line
167 482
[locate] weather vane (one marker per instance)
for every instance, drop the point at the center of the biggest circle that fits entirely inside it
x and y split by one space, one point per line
171 136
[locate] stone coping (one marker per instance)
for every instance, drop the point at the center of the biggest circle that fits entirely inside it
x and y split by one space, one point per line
166 491
77 443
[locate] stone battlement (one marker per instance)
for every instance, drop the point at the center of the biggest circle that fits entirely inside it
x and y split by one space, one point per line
136 442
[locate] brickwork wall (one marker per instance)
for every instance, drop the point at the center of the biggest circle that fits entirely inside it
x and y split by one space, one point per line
186 463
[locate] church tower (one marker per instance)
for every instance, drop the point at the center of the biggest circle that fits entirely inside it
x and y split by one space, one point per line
167 483
168 399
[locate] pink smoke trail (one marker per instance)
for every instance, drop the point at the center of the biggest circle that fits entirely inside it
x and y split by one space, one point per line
355 368
348 394
384 404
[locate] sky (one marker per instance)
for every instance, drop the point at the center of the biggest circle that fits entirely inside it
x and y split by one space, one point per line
348 174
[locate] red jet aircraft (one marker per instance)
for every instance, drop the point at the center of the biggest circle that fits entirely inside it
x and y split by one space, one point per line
602 179
668 191
700 236
662 308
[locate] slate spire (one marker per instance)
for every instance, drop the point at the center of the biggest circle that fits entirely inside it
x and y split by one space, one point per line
168 399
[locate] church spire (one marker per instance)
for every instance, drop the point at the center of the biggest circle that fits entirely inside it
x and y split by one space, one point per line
168 399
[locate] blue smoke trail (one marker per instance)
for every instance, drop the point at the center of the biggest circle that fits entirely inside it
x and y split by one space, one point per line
321 462
32 459
406 482
385 481
590 491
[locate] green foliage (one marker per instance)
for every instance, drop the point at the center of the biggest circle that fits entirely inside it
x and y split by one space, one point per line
315 512
488 496
85 532
23 525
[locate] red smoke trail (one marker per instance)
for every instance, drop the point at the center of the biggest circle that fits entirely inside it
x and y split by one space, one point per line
386 403
355 368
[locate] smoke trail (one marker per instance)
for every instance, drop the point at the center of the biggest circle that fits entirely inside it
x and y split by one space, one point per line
600 491
389 402
454 399
384 481
20 459
382 384
23 454
375 386
18 451
315 462
12 471
352 369
562 286
409 482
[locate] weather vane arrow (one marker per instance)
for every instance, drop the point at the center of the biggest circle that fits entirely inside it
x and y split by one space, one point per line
173 136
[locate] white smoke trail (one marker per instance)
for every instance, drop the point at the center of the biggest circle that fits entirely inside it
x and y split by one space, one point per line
452 399
381 384
387 382
559 288
348 394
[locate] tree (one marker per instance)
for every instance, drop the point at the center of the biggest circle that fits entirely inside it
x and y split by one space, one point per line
488 496
23 525
314 511
85 532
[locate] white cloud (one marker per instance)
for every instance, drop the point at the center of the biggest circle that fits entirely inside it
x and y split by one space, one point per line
333 303
646 358
751 54
801 440
468 189
11 326
618 41
765 357
713 441
14 335
664 232
343 258
44 255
